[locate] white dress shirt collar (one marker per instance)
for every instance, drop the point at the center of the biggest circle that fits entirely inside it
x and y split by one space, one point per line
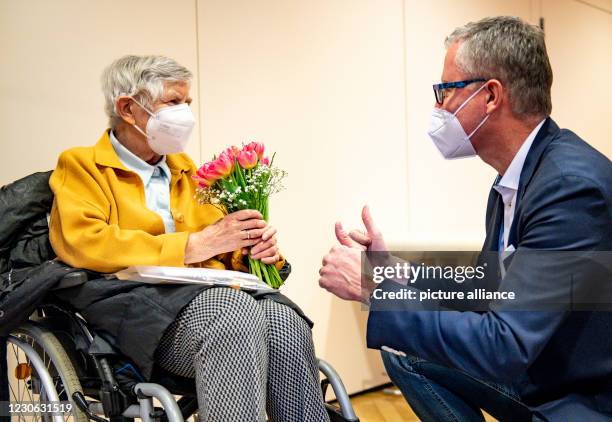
507 185
511 177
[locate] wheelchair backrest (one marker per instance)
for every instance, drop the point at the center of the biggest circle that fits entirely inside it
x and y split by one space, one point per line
24 231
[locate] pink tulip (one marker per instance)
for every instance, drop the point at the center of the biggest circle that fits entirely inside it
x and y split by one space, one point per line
231 152
205 177
211 171
203 170
203 183
258 147
215 171
225 164
247 159
265 161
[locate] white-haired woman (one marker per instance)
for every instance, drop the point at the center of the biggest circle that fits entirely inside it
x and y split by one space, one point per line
129 200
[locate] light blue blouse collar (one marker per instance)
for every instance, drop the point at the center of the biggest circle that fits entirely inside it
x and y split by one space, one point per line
136 164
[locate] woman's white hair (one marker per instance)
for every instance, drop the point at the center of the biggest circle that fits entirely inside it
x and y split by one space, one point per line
141 77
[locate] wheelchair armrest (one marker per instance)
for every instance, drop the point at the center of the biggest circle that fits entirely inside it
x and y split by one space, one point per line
75 276
72 279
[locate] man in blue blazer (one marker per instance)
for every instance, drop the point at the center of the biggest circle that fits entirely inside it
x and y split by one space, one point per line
553 194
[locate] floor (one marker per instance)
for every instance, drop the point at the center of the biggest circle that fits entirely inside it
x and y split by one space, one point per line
378 406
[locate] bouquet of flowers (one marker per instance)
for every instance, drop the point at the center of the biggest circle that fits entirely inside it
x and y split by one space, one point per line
242 179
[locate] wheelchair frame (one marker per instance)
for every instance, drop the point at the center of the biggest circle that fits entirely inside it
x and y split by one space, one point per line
111 400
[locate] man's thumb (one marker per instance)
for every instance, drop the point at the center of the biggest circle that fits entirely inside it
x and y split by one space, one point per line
368 222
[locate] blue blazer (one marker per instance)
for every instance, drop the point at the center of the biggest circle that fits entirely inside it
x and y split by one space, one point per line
559 362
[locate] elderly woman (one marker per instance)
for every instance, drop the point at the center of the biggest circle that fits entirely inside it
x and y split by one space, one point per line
129 200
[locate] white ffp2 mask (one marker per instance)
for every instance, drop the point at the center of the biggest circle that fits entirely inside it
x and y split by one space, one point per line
168 129
448 135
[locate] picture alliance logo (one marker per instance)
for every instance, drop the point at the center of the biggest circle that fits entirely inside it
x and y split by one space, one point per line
412 273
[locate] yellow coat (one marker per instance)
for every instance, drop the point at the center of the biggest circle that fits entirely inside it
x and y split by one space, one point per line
100 220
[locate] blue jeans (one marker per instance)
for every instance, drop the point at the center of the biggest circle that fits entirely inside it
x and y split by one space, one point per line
437 393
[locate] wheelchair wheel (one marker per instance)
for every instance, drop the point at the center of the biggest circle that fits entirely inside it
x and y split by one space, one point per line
25 383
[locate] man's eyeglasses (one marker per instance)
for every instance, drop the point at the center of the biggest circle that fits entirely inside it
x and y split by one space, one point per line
440 90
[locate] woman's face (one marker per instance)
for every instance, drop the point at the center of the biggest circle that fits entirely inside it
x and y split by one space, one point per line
174 93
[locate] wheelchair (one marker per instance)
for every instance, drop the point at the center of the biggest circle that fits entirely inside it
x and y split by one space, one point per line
56 359
59 368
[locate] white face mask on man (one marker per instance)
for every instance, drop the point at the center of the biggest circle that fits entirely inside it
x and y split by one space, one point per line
449 136
168 129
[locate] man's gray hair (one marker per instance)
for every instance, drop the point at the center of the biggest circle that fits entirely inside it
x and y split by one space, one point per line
141 77
510 50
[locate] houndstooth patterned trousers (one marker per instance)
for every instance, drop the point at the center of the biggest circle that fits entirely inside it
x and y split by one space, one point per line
248 357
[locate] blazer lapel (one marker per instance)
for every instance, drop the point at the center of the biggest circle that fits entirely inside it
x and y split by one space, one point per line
495 214
547 133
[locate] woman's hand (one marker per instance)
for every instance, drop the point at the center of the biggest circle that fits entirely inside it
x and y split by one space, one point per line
238 230
266 250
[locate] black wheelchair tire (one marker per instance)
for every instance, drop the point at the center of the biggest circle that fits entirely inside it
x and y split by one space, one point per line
57 354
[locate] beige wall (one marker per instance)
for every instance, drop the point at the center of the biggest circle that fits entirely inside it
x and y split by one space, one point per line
579 42
341 89
321 83
447 198
53 53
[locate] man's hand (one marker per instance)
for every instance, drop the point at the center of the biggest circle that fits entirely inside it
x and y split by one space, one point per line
341 274
370 240
356 239
341 270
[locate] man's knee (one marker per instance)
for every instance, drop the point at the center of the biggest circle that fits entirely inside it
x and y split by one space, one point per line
397 365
